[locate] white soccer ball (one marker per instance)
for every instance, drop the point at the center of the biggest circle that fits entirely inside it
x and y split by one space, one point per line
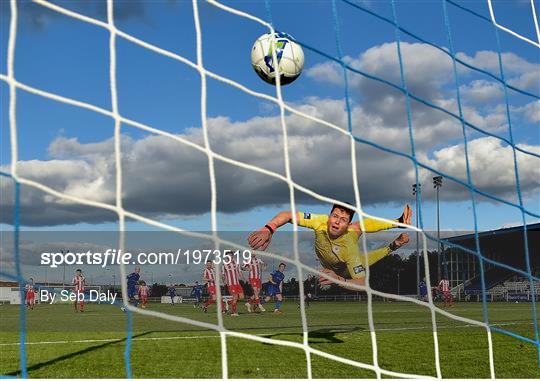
289 54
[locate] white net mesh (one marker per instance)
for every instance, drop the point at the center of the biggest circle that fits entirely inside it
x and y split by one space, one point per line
115 113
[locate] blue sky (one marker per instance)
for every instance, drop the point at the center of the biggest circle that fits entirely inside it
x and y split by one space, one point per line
70 149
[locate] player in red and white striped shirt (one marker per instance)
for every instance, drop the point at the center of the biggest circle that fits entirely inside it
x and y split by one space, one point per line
30 294
231 273
143 293
79 281
209 277
444 288
255 267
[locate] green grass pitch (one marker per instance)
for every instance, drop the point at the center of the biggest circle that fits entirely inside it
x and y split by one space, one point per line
65 344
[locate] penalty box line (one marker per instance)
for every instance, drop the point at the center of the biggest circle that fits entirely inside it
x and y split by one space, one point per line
89 341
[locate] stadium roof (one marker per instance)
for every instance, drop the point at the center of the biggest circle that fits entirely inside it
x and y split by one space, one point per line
506 245
8 284
530 228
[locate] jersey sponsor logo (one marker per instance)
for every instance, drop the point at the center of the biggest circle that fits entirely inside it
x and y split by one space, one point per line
307 216
359 269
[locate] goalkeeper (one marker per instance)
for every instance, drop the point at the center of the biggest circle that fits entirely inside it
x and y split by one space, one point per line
336 241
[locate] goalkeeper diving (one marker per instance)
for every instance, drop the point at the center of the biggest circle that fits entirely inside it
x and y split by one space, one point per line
336 241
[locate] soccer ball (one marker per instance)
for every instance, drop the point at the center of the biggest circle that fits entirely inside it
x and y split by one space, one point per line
289 54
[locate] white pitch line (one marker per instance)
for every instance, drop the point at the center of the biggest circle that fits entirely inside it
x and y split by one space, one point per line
87 341
112 340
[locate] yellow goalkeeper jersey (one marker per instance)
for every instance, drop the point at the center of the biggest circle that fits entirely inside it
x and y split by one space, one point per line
342 255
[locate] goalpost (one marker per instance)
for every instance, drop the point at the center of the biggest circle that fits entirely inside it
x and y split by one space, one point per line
115 113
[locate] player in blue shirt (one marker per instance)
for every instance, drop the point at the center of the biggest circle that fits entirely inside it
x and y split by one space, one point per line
423 289
275 287
132 280
196 292
172 293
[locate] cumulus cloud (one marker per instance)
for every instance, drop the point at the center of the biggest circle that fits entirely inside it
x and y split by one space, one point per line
481 91
164 178
518 71
491 166
328 72
425 68
530 111
428 74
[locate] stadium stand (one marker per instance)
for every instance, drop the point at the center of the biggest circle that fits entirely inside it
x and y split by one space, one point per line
505 246
492 277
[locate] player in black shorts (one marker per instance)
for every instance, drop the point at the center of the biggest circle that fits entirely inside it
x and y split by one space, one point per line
309 289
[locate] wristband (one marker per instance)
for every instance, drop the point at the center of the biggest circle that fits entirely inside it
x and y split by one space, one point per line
269 228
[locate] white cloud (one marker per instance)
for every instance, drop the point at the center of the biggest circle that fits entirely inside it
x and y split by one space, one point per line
481 91
429 75
528 81
517 71
491 167
327 72
425 69
531 111
162 177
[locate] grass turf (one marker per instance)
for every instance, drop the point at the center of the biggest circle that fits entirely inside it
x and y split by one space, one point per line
92 344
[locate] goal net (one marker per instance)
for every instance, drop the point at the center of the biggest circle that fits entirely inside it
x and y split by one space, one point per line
348 72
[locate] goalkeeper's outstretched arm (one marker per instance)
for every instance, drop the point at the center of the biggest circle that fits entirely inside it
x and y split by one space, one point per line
260 239
372 225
